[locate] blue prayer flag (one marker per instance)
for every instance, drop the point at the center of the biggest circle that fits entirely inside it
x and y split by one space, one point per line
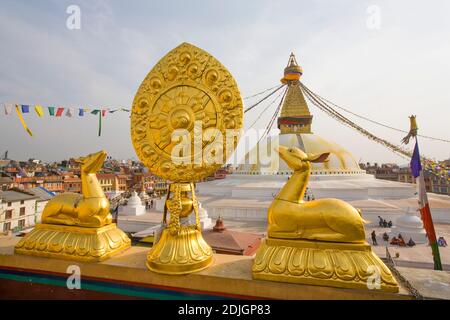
25 108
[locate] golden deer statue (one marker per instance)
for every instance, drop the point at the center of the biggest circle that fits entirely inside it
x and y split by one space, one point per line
77 226
89 209
320 242
324 219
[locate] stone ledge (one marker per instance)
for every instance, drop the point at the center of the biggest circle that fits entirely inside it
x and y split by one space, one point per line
229 277
431 284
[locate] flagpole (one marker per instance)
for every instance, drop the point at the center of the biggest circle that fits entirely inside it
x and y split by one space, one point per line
427 219
417 172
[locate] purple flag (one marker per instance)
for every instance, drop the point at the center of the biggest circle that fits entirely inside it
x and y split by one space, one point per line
416 166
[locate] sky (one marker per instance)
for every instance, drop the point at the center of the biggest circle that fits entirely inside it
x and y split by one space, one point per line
382 59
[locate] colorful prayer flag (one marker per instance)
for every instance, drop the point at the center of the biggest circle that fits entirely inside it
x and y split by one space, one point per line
69 112
39 110
51 111
25 108
8 108
59 111
95 112
424 208
81 112
23 121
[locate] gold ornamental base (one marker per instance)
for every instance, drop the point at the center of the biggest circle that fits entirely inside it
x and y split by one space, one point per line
73 243
182 253
322 263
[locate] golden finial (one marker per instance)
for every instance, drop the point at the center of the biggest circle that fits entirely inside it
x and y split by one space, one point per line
413 123
412 129
293 71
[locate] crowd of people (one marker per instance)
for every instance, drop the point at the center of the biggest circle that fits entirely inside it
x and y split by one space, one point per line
383 223
399 241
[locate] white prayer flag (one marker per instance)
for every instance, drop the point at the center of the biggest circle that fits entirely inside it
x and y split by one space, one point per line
8 108
69 112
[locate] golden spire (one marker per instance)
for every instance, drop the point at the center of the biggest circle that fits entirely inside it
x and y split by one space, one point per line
295 116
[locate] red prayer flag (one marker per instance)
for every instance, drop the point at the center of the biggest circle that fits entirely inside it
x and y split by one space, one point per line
59 111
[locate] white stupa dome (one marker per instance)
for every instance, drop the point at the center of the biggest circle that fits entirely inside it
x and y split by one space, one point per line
134 206
340 161
409 221
409 226
134 200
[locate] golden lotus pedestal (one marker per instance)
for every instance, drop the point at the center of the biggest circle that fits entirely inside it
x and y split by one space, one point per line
74 243
183 253
322 263
181 248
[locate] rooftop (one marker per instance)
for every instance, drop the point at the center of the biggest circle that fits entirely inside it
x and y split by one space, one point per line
228 241
16 195
42 193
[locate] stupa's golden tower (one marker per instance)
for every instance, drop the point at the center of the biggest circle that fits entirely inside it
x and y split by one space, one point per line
295 116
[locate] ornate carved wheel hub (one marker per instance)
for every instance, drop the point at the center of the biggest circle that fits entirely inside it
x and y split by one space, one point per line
187 87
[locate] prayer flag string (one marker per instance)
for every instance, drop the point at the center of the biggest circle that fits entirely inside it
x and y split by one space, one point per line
59 111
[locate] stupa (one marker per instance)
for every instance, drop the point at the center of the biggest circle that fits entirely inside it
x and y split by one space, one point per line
247 193
410 226
134 206
295 124
205 220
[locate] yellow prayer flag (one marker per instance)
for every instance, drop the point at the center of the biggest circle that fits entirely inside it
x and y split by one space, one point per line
39 110
19 113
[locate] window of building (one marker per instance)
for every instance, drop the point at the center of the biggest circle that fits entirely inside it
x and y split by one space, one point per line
22 202
8 214
22 223
9 204
22 211
7 226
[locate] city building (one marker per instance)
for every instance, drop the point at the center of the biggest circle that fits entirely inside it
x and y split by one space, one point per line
42 197
160 186
17 210
6 182
107 181
72 184
433 183
387 171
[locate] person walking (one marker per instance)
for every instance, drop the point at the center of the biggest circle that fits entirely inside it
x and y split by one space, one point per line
374 238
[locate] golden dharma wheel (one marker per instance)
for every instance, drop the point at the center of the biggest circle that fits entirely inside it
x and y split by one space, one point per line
181 114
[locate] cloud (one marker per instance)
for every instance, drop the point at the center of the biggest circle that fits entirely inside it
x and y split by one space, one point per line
386 74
